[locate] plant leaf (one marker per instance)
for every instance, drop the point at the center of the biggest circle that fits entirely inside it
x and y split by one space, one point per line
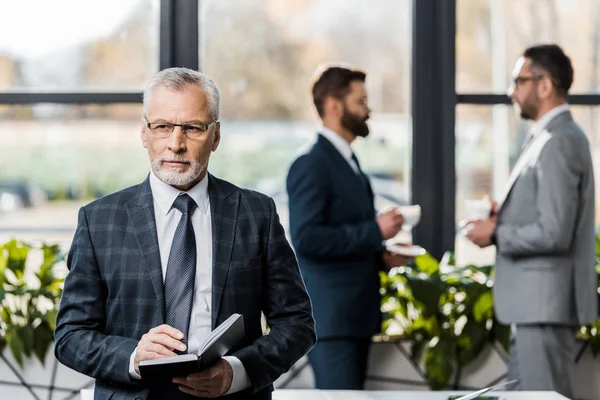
16 345
427 263
3 266
427 291
483 309
17 257
439 363
42 341
473 338
50 318
26 333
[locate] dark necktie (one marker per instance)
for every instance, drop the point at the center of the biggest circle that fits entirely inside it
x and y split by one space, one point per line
181 269
361 176
357 163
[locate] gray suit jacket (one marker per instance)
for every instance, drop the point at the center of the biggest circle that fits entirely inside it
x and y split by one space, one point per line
114 292
545 267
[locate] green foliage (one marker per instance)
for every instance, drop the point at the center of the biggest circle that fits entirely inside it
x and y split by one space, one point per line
447 312
28 299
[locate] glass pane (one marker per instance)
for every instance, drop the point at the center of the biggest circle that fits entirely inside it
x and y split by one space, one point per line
492 34
57 158
263 53
78 46
488 142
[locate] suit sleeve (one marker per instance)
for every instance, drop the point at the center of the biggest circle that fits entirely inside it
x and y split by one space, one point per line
312 236
287 309
558 175
79 339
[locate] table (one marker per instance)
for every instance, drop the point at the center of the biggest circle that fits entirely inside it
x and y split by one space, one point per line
310 394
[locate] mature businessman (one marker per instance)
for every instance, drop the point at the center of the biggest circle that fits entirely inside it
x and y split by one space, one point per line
160 264
543 227
336 234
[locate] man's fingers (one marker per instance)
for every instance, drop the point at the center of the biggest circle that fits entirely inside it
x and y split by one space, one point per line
159 349
168 341
197 376
194 392
167 330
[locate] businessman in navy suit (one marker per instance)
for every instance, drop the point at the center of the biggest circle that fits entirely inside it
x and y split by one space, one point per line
155 267
336 233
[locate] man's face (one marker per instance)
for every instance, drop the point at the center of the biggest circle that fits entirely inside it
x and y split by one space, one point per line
356 111
178 160
523 90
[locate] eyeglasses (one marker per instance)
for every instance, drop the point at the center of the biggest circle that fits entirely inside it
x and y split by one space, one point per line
522 79
165 129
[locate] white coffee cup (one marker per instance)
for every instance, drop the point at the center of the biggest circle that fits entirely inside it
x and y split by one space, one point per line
476 209
411 214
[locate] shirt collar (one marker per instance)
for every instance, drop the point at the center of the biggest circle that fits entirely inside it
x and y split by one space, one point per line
165 194
338 142
541 123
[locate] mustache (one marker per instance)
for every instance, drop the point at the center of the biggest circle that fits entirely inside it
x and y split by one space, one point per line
175 158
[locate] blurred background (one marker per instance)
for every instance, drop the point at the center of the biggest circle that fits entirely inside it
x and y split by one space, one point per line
72 73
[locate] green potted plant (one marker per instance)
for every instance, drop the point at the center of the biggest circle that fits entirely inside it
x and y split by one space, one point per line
29 295
447 313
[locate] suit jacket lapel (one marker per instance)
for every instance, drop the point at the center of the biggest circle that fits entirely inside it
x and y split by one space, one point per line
141 214
344 168
533 149
224 212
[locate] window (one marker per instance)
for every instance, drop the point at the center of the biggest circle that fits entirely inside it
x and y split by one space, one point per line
55 158
262 54
492 34
78 46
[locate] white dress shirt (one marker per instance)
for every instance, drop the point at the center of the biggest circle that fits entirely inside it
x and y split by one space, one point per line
167 218
341 145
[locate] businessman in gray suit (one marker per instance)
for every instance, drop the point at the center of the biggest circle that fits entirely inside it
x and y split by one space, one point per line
543 229
155 267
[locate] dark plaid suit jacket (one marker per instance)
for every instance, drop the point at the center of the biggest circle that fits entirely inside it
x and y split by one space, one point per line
114 292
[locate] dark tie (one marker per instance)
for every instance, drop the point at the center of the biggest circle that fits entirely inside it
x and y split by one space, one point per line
357 163
361 176
181 269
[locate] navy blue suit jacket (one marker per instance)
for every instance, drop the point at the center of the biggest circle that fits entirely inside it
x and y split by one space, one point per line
114 291
337 241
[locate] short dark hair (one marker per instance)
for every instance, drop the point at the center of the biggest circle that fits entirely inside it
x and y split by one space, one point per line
553 61
334 81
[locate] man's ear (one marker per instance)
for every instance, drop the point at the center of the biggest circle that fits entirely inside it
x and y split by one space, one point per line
217 136
333 106
545 87
143 134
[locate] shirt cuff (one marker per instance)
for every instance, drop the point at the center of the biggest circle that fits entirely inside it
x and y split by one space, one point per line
240 380
132 373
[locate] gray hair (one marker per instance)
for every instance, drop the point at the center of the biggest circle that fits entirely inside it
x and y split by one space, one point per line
177 79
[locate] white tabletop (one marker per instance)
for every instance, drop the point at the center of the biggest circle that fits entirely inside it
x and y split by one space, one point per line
305 394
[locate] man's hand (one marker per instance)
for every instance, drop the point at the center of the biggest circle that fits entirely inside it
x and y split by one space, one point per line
390 223
392 260
493 205
480 231
159 342
212 382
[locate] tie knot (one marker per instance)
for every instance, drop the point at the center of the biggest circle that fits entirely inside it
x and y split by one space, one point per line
185 204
